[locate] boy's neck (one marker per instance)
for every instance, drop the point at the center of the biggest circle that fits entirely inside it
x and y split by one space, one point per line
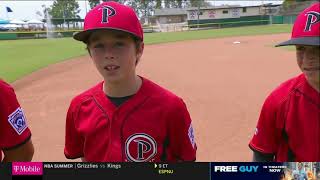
123 89
314 85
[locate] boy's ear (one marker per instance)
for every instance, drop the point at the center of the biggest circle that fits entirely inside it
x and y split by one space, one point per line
141 48
139 52
87 48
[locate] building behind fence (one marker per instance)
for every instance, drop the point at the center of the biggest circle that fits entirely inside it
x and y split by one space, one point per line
226 16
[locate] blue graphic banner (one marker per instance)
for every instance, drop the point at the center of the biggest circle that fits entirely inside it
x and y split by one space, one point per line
247 171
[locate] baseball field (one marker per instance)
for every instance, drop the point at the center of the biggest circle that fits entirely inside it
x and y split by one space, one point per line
223 75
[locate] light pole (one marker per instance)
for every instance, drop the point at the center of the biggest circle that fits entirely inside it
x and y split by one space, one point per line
198 20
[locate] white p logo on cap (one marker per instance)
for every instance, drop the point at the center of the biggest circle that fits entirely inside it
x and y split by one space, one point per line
107 11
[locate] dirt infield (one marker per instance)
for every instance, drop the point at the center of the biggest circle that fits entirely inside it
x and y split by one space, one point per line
223 84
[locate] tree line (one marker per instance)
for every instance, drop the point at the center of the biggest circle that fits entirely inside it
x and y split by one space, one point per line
69 9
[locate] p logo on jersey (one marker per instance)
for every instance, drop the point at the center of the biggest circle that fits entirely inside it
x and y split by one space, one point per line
140 147
18 121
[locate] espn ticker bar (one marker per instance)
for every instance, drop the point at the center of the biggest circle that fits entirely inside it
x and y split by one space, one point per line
154 171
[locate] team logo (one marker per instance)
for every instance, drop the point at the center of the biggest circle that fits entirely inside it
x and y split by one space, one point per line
18 121
140 147
313 18
107 11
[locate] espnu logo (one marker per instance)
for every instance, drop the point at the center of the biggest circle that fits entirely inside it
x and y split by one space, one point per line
236 168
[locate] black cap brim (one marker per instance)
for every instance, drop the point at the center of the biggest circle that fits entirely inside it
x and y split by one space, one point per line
309 41
84 35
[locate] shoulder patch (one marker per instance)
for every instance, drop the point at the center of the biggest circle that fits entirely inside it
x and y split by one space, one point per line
191 135
18 120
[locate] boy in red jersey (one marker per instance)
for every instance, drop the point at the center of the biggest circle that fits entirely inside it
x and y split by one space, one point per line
15 136
125 118
289 125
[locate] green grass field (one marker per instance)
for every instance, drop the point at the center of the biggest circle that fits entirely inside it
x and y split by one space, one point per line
21 57
154 38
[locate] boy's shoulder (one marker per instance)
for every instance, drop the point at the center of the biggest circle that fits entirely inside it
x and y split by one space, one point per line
158 92
149 88
5 89
4 86
286 89
87 94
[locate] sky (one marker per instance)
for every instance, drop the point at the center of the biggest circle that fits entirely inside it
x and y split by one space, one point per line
26 10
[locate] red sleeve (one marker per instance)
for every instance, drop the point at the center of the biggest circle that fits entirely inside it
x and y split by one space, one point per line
267 133
13 126
181 145
73 140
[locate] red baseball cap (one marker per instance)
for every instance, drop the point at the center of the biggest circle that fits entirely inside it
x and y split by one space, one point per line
306 28
110 15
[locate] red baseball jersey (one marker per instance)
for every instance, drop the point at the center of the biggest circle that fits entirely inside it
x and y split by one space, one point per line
289 123
152 126
13 126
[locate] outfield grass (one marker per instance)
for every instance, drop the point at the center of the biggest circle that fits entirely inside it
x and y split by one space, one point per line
21 57
154 38
289 48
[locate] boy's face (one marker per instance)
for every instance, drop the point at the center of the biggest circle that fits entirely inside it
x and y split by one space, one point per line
309 61
115 54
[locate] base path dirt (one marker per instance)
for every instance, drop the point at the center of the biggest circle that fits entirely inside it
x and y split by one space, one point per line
223 84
